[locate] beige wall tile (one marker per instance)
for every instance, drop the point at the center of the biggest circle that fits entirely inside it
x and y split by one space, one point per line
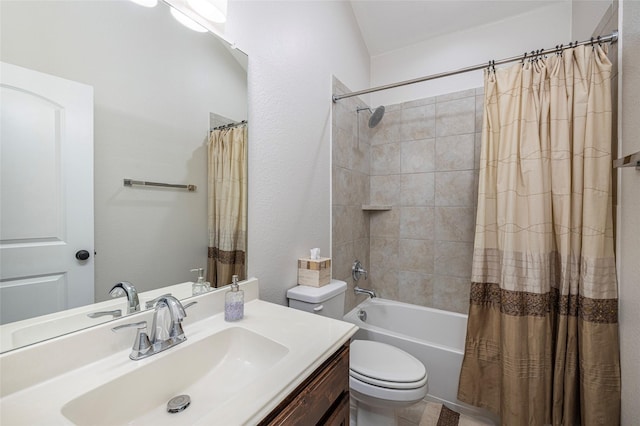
456 95
359 220
385 189
360 157
455 117
477 149
454 188
417 189
418 123
455 224
385 284
342 185
454 152
358 192
415 288
384 255
451 294
385 224
453 259
416 255
417 156
479 112
341 224
388 130
341 148
416 222
341 260
385 159
418 102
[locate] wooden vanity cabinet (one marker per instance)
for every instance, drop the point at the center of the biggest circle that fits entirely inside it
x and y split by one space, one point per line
322 399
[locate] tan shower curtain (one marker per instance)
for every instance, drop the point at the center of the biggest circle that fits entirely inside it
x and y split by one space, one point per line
227 205
542 337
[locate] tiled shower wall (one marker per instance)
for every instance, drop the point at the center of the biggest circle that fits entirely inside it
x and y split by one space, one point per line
422 160
350 190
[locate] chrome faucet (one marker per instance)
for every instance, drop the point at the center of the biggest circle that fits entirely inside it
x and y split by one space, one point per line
176 315
146 345
370 293
130 291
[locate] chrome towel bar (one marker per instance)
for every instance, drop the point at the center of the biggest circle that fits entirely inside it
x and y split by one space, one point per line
131 182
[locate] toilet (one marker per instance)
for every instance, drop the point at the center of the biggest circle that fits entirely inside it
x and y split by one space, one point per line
381 377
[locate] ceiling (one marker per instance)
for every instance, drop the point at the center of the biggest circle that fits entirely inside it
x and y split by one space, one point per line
392 24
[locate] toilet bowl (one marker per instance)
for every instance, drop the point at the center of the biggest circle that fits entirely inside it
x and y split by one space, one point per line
381 377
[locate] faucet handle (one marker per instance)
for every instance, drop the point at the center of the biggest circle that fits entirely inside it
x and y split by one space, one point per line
190 304
142 344
151 303
357 271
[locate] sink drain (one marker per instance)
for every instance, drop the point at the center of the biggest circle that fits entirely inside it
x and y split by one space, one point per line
178 403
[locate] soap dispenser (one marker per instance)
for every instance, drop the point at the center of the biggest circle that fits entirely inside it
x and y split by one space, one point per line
200 286
234 302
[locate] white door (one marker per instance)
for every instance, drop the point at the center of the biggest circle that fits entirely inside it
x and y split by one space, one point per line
46 193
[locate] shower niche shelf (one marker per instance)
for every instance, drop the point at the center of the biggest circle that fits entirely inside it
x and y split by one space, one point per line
375 208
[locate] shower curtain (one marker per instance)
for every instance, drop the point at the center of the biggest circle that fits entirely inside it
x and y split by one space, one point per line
227 208
542 336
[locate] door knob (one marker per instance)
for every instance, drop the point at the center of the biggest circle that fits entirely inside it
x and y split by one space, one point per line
82 255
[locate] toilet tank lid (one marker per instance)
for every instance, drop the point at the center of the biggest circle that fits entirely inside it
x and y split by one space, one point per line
305 293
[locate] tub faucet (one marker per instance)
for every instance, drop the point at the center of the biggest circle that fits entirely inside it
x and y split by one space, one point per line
130 291
370 293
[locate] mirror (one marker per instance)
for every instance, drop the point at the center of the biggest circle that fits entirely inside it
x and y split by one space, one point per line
157 89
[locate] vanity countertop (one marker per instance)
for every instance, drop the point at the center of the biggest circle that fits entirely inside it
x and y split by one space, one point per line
304 341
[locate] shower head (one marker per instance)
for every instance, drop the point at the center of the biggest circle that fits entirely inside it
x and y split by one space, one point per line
376 115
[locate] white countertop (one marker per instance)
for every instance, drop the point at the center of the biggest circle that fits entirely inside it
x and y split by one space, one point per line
38 398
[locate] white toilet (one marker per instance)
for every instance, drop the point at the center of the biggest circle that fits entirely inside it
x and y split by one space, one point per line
381 377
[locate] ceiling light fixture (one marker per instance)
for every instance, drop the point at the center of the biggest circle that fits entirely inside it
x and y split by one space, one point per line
187 22
146 3
212 10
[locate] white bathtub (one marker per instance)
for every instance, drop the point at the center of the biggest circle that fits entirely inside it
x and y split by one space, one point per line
433 336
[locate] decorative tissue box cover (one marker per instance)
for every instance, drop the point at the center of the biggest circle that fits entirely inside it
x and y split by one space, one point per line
314 272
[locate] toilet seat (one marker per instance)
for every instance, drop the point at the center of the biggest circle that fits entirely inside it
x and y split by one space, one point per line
383 365
383 375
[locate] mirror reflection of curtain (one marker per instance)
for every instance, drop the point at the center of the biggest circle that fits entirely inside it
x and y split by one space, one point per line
542 338
227 207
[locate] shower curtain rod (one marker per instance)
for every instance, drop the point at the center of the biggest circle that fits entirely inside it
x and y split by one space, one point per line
230 125
611 38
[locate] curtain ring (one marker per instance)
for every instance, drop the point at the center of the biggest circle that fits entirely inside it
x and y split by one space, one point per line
524 57
599 42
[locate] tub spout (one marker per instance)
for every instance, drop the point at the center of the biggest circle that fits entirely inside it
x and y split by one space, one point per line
370 293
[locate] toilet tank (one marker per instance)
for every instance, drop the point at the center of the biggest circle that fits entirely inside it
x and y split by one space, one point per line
327 300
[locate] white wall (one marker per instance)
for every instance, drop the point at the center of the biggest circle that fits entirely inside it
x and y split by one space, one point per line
542 28
294 49
155 84
585 16
629 213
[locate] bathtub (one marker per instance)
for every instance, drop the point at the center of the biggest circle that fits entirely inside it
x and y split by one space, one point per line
433 336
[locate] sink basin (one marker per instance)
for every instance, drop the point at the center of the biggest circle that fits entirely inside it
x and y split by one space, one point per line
210 371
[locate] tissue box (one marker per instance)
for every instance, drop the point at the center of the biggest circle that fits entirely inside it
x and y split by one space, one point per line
314 272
